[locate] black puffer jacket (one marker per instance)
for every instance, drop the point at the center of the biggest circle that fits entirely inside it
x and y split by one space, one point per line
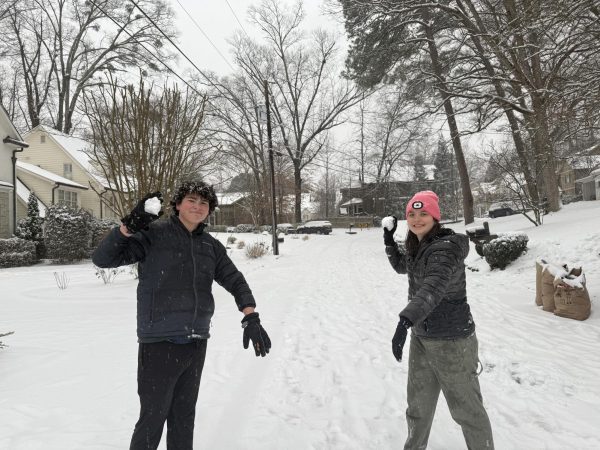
176 271
437 293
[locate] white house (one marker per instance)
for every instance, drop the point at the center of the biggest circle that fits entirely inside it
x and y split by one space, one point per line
57 168
11 143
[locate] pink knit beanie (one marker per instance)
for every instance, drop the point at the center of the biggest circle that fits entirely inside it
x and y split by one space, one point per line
425 201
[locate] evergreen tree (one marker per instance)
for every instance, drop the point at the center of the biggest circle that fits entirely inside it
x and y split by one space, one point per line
30 228
419 174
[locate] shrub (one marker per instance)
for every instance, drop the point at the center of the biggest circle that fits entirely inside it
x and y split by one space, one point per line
306 237
62 280
244 228
503 250
257 250
241 244
231 239
68 233
2 344
107 275
15 252
100 228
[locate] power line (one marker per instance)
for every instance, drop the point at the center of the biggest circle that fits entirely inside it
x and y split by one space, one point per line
205 35
238 20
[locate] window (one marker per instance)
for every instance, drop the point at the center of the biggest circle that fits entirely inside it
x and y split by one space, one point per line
68 170
42 139
67 198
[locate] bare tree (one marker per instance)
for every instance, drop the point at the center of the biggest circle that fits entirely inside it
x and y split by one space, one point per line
388 38
146 140
307 96
67 46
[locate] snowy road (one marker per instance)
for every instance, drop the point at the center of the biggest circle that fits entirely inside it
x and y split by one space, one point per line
330 305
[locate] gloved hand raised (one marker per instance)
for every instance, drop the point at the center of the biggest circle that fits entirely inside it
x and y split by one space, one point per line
139 218
400 337
389 223
253 331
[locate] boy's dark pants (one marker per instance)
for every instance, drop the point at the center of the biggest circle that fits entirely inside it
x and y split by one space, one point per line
168 382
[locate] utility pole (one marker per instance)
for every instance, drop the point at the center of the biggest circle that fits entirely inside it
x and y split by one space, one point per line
272 167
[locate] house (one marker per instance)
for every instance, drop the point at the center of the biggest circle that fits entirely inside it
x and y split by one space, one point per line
574 168
57 168
11 143
233 209
382 199
590 185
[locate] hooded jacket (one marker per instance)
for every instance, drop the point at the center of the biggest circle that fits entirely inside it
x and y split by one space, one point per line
437 292
176 272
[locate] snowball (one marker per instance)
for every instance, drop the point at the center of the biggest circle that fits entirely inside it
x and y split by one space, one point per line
152 206
387 222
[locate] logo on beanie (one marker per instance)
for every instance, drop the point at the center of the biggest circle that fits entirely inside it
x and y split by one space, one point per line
417 205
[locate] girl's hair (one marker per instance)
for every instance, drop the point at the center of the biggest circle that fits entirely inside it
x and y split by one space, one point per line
412 242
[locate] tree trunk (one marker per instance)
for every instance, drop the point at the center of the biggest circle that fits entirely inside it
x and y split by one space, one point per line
297 194
461 164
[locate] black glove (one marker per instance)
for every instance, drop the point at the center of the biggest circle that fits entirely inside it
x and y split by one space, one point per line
388 235
254 331
400 337
138 219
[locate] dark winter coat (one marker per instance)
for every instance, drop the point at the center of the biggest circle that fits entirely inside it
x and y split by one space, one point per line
437 295
176 272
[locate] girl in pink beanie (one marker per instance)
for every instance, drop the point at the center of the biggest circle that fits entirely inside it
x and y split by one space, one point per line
443 354
427 201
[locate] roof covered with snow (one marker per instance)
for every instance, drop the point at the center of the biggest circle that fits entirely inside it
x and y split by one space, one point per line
42 173
79 149
229 198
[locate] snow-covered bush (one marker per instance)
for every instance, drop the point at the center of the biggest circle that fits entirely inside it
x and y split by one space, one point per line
231 239
503 250
100 228
30 228
68 234
257 250
241 244
15 252
244 228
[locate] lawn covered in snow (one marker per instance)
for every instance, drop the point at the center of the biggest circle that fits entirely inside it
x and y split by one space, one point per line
330 305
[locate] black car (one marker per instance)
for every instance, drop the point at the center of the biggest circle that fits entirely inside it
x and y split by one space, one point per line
501 210
314 227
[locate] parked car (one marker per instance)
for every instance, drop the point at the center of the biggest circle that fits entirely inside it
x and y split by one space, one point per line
314 227
501 209
285 227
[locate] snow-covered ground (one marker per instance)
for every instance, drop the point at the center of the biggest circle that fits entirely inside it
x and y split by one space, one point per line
330 304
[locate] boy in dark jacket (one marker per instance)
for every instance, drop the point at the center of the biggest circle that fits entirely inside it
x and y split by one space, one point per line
443 352
177 263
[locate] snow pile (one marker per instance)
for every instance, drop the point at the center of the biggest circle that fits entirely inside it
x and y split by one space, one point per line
330 305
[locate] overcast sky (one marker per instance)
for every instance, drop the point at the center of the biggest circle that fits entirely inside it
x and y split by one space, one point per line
217 20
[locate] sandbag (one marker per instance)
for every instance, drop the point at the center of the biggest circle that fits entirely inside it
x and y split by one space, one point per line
571 297
549 273
538 281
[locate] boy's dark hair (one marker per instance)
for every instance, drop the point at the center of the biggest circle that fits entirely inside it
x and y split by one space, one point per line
200 188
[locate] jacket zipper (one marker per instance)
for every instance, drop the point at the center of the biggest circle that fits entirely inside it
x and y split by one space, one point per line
194 284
